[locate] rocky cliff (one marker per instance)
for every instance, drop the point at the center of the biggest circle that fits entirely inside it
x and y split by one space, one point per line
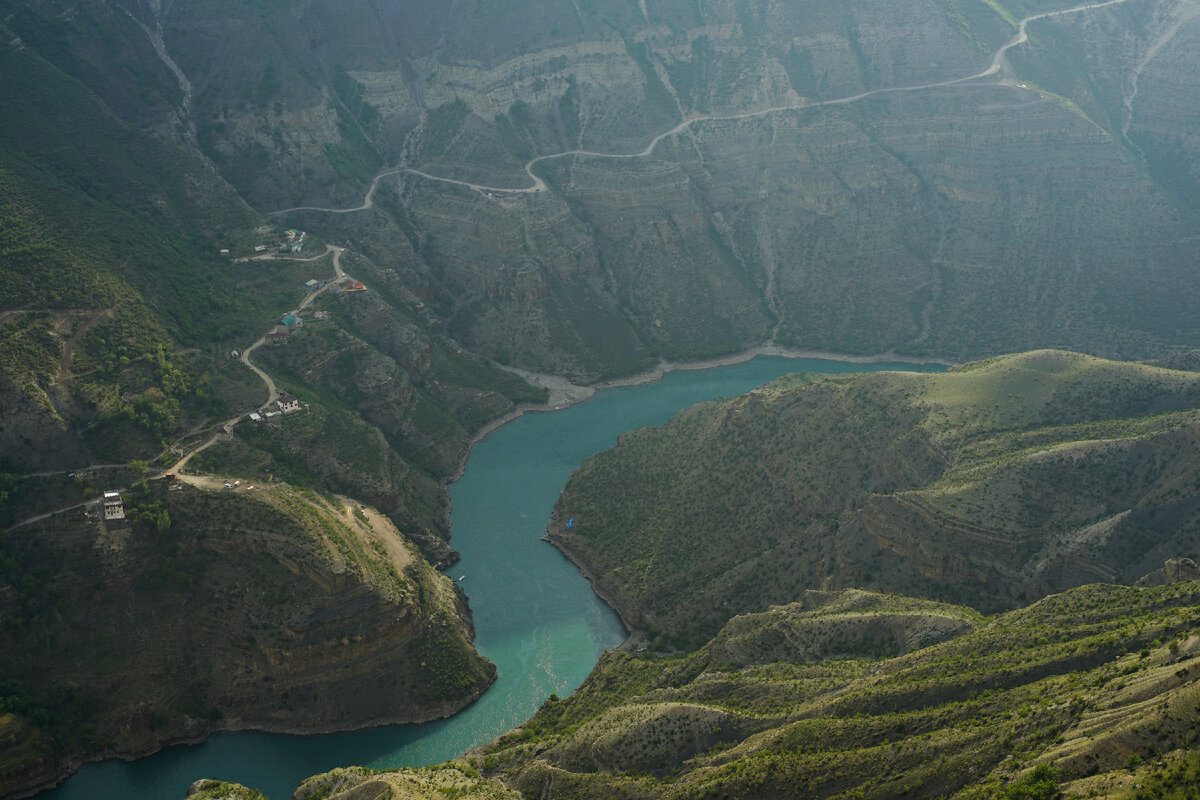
856 177
586 189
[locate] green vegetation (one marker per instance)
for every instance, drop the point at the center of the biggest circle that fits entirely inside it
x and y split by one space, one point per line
1173 778
110 269
220 790
391 408
989 485
456 780
1052 697
1040 784
958 221
279 587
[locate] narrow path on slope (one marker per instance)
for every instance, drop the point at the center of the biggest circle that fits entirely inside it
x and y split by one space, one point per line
1000 60
998 66
222 428
368 199
268 381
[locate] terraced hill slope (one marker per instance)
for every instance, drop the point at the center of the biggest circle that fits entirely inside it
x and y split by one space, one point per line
1090 693
1090 690
267 608
992 485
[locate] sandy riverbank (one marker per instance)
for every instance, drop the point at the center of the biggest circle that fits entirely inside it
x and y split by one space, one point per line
743 356
564 393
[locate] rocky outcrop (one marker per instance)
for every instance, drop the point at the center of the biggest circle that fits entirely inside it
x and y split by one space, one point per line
1174 570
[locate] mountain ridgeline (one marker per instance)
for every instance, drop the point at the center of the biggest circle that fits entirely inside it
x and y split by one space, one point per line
992 485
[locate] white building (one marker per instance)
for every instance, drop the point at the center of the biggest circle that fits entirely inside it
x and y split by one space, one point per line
114 508
287 403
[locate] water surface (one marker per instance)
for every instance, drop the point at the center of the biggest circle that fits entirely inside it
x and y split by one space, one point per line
535 615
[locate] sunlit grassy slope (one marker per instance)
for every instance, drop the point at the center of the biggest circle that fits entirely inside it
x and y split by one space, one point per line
1098 684
991 485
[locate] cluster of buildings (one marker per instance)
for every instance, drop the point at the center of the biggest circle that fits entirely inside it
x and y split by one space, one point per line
289 323
293 242
294 319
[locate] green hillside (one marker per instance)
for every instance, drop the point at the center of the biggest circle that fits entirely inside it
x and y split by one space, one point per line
118 313
109 266
263 608
990 485
1089 693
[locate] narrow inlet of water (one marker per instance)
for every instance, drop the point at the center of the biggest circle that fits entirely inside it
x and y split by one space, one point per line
535 615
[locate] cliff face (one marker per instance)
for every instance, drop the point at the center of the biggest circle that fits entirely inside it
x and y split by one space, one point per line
827 176
991 485
960 219
265 608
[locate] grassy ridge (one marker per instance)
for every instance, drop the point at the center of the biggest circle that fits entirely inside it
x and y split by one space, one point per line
1096 683
989 485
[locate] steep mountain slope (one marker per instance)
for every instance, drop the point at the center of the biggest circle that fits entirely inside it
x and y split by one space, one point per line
90 311
1092 692
266 608
992 485
856 176
119 311
118 314
1087 683
391 408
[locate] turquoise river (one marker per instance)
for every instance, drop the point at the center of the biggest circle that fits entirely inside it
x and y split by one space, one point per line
535 615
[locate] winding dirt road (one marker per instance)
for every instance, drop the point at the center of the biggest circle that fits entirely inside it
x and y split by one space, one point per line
272 389
368 199
272 395
998 66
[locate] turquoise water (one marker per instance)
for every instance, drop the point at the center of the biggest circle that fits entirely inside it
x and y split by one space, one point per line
535 615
